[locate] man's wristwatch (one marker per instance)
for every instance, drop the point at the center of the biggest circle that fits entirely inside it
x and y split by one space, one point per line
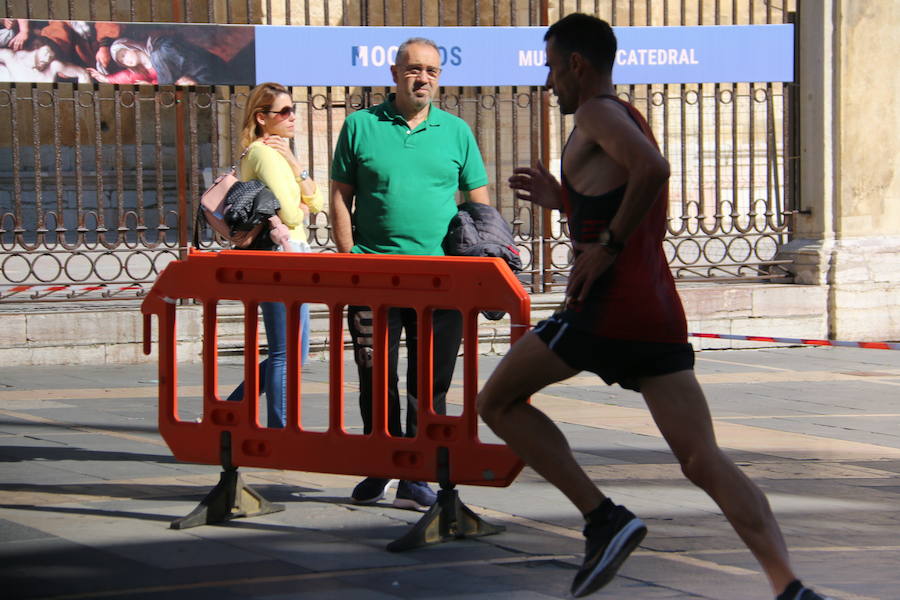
606 239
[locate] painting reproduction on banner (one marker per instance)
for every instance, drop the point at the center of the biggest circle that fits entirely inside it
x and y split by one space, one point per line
126 53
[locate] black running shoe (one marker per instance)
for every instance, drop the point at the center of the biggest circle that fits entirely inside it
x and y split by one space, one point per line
606 548
806 594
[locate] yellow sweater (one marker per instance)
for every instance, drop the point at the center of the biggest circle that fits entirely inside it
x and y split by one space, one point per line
267 165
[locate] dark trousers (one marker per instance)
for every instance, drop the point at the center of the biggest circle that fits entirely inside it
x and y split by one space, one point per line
447 326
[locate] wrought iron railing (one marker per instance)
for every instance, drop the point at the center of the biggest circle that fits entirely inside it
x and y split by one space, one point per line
96 198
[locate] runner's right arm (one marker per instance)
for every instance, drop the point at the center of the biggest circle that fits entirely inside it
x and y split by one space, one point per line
537 185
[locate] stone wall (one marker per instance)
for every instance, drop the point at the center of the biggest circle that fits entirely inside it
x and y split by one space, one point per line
112 333
848 232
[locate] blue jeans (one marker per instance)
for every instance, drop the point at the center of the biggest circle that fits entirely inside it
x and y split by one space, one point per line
273 370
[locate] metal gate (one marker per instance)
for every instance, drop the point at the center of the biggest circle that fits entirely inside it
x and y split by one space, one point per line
100 182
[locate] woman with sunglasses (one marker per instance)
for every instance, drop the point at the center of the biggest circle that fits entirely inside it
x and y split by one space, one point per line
267 128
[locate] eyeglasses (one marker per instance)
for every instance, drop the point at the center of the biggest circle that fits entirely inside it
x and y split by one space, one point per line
284 112
416 70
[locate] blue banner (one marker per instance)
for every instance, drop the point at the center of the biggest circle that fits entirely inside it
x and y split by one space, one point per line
212 54
498 56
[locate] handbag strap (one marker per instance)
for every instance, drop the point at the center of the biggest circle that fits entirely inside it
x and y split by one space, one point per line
238 161
199 220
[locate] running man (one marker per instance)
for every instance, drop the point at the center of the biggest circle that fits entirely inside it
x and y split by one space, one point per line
623 319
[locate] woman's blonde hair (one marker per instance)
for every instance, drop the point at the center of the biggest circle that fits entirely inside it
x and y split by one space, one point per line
261 99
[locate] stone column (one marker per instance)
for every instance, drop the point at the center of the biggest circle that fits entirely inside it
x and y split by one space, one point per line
847 236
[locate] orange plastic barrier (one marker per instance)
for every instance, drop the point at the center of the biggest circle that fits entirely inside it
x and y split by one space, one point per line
381 282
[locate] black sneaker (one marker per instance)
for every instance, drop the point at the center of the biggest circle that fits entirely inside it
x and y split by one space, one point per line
804 594
606 548
415 495
370 490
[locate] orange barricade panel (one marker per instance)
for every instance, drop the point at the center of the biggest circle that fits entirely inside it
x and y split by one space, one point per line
468 285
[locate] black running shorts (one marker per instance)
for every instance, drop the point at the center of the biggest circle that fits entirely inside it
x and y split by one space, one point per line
624 362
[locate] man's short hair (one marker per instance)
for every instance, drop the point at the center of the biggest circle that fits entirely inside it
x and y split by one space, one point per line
591 37
415 40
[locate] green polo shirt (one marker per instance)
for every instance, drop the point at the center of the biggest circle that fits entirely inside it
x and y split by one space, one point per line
405 181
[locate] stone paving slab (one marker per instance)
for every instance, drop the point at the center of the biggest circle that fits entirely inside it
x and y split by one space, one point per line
88 489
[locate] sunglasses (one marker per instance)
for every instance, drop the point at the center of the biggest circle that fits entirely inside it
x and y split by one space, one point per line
284 112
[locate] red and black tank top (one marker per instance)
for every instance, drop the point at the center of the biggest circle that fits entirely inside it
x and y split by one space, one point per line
636 298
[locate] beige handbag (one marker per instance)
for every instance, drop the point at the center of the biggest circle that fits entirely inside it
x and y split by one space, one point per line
212 208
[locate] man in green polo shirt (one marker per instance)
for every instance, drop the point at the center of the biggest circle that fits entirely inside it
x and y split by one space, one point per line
396 170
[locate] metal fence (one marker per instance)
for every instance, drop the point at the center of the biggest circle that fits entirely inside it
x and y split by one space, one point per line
100 182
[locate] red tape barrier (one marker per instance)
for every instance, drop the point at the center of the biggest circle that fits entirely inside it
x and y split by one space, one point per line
799 341
381 282
41 291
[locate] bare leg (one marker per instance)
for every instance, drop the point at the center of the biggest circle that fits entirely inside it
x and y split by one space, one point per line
682 415
529 366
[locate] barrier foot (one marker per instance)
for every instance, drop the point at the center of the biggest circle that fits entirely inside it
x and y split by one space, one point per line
230 499
446 520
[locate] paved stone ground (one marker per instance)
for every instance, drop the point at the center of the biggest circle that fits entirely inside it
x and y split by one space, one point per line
88 488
